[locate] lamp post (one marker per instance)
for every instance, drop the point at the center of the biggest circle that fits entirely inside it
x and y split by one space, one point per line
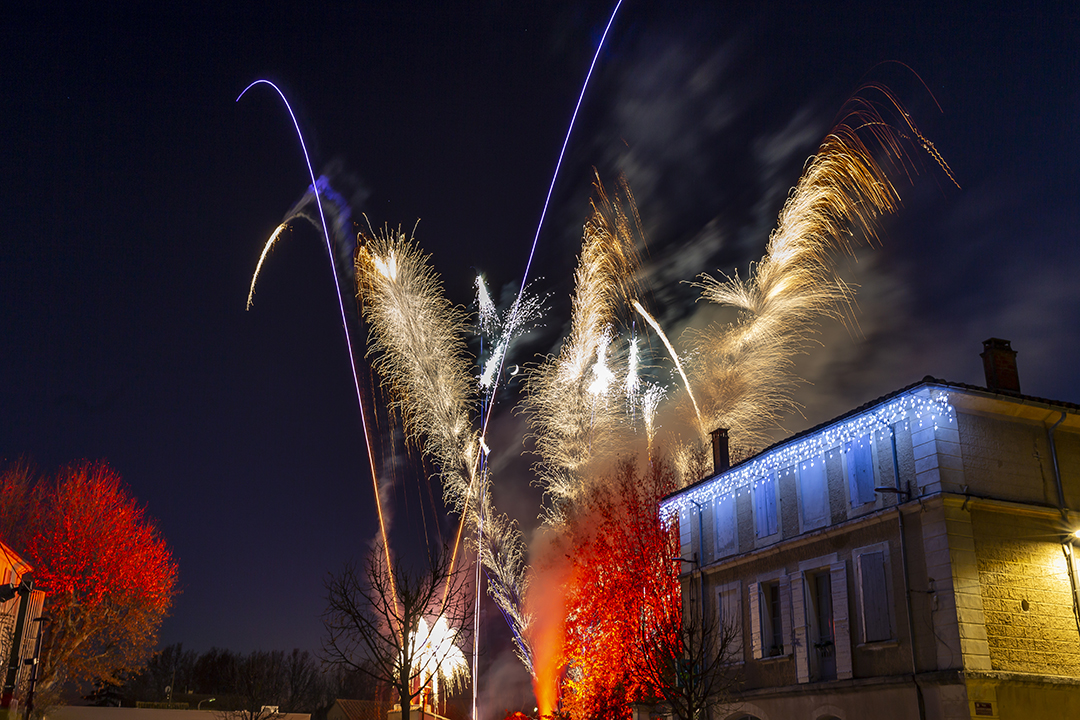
199 706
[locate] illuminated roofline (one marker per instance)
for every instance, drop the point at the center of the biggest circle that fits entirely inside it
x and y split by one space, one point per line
915 403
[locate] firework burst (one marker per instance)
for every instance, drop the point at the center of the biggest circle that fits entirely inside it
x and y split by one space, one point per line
437 660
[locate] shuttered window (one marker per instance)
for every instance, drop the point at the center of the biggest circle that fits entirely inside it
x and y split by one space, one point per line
813 494
729 608
766 519
859 457
727 526
874 597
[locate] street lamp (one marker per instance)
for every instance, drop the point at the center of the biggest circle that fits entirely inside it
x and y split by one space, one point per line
199 706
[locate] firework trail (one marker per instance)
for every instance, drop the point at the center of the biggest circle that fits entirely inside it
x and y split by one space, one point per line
262 258
674 358
341 308
515 310
416 340
337 209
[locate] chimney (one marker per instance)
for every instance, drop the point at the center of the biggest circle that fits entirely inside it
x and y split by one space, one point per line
999 363
721 461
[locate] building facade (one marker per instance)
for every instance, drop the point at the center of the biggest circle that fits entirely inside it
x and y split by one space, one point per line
20 610
910 559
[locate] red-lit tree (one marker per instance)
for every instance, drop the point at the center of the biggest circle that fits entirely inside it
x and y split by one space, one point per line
108 576
627 639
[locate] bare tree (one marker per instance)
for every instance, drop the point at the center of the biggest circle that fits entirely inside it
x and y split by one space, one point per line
257 683
380 621
693 664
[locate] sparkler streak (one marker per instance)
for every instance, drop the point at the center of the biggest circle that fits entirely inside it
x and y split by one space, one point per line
675 358
515 310
341 308
262 258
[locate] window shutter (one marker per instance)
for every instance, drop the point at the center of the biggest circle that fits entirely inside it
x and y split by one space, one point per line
726 531
785 613
729 603
875 603
770 498
860 465
800 644
841 625
754 590
685 533
814 493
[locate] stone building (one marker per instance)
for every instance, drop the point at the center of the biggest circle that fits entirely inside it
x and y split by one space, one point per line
913 558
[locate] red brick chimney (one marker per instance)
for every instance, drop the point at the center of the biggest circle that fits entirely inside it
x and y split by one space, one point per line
999 363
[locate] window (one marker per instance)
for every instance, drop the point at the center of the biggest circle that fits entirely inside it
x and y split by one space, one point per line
768 601
859 456
874 595
766 520
727 526
813 494
729 613
819 604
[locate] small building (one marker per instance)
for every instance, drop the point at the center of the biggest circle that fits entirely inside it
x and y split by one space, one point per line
913 558
20 612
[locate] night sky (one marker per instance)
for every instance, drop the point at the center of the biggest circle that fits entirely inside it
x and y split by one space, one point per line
137 195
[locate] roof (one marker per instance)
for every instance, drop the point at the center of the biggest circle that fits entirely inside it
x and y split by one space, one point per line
927 382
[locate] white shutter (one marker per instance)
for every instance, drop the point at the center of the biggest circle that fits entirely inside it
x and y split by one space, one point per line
875 602
814 494
754 589
800 645
726 522
860 465
841 624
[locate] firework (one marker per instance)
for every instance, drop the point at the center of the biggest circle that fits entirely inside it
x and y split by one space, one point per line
416 341
572 419
742 371
437 660
262 258
341 308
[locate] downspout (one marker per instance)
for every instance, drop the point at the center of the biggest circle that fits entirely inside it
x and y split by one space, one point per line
1066 547
1057 471
907 584
700 558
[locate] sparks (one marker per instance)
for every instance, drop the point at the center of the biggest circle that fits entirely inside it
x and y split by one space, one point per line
262 258
437 660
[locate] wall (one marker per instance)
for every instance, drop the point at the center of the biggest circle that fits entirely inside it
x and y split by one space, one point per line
1021 563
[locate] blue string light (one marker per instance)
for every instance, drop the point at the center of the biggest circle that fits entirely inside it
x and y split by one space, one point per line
805 450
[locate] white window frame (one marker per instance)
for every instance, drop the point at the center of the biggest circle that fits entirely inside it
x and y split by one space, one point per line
761 635
837 570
